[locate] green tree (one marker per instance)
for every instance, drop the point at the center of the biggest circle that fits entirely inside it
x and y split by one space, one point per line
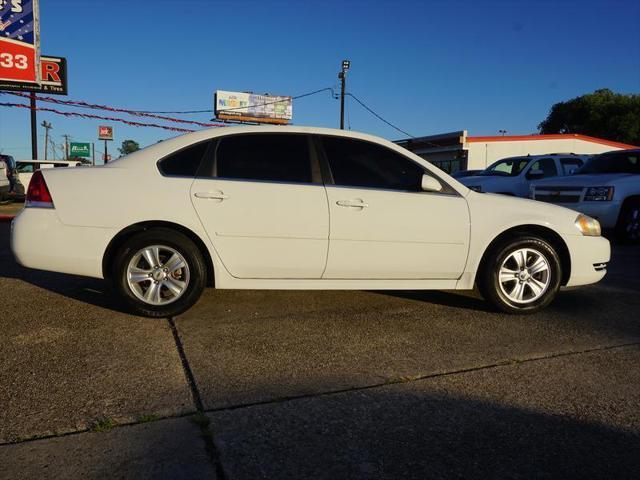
603 114
129 146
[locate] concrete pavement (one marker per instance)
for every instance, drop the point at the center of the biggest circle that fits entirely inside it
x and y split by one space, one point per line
317 384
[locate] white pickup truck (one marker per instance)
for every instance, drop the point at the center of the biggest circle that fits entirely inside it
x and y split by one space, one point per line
606 188
27 167
513 176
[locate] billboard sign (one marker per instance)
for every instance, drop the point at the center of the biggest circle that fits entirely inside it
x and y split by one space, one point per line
53 74
105 132
248 107
19 41
77 149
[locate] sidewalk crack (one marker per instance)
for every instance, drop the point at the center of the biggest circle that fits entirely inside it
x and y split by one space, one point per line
200 419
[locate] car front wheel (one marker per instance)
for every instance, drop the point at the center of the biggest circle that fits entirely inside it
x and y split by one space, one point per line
159 273
521 275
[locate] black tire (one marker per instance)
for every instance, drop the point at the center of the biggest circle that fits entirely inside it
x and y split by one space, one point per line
197 272
628 225
488 277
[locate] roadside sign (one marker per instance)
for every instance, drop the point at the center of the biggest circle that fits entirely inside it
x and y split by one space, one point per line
105 132
53 74
77 149
19 41
248 107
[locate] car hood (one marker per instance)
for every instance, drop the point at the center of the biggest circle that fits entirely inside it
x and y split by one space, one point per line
588 180
483 179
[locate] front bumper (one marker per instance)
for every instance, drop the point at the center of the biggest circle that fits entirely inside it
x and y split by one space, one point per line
588 254
40 240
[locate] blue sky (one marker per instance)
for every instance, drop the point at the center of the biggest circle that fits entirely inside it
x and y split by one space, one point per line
428 67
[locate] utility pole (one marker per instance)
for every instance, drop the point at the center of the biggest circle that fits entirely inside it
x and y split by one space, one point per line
34 126
47 126
66 146
346 64
93 154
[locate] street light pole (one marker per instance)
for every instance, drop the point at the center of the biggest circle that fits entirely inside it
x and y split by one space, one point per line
34 126
346 64
47 126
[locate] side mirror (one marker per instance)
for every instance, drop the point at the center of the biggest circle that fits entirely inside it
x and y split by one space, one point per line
430 184
535 174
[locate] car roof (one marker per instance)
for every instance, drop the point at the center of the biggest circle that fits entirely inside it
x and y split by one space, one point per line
61 162
546 155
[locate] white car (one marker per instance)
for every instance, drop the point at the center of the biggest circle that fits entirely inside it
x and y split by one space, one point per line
296 208
27 167
607 188
513 176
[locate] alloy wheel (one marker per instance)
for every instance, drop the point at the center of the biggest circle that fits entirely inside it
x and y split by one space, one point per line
524 276
158 275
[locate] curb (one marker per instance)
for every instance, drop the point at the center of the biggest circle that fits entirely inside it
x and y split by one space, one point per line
6 218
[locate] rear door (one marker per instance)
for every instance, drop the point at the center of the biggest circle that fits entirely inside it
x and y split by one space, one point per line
383 226
264 207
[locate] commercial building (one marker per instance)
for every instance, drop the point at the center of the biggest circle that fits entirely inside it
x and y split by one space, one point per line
457 151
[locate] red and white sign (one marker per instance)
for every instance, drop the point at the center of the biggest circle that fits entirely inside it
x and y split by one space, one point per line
19 41
105 132
17 61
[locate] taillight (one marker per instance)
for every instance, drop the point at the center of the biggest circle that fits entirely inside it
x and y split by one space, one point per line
38 194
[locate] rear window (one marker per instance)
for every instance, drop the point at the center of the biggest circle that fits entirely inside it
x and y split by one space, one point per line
184 162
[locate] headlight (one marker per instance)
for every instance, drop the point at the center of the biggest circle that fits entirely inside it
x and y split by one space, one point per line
588 226
475 188
598 194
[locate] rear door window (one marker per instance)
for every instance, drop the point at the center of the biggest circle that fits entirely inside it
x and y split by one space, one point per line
546 165
265 157
570 165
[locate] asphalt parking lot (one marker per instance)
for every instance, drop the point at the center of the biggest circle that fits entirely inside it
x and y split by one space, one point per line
275 384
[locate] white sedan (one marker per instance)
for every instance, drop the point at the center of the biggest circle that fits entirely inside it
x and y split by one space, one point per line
296 208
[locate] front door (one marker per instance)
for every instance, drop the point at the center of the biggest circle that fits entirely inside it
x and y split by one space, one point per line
383 226
264 207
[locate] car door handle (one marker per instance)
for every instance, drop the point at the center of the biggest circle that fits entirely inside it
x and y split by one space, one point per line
211 195
352 203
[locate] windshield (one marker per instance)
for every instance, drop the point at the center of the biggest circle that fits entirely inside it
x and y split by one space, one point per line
511 167
617 162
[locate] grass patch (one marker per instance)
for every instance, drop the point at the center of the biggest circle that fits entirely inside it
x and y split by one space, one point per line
148 418
103 425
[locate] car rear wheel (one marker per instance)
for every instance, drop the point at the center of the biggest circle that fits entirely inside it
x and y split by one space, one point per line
159 273
628 227
521 275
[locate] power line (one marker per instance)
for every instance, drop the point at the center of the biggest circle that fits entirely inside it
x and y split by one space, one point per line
133 112
378 116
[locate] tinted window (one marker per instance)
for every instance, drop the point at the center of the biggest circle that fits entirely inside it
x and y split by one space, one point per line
60 165
546 166
277 158
362 164
570 165
185 162
622 162
511 167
